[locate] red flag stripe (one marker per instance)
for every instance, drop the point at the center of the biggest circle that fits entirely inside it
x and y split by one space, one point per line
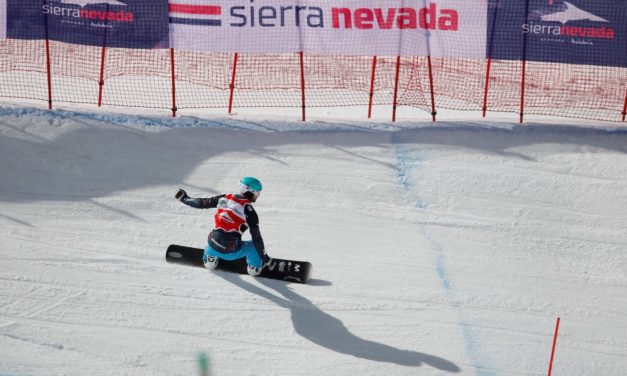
195 9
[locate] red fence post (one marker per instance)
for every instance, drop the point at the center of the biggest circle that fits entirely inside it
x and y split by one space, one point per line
557 326
433 111
398 68
302 81
48 65
522 90
487 84
101 81
625 107
232 84
102 63
524 66
49 73
489 64
174 108
374 68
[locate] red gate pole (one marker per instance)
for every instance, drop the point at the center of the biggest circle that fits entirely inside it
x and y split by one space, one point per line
487 84
374 68
232 85
625 107
398 68
174 108
48 65
302 81
557 326
433 111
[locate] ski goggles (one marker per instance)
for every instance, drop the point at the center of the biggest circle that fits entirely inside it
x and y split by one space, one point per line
244 188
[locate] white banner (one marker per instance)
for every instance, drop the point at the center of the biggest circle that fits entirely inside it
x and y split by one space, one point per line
452 28
3 19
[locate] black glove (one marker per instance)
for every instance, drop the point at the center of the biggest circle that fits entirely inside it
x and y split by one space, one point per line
181 195
267 260
271 264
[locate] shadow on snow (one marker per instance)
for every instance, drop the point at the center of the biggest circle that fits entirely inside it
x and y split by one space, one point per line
324 330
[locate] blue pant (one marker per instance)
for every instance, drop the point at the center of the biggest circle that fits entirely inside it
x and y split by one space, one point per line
248 250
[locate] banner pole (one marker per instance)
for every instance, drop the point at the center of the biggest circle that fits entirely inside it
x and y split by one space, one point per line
302 82
102 63
48 65
398 68
232 85
173 67
371 95
433 111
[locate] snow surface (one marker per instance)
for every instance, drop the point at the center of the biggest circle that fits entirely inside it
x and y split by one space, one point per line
438 248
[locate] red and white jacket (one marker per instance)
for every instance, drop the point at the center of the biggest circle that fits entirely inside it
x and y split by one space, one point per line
235 215
231 214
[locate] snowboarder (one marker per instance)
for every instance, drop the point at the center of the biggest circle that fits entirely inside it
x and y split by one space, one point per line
234 216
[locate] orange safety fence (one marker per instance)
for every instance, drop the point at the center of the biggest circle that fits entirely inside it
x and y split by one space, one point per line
53 71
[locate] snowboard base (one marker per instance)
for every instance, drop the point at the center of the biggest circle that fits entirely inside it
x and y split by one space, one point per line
285 270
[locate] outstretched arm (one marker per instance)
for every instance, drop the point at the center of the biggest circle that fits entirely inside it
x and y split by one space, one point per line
198 203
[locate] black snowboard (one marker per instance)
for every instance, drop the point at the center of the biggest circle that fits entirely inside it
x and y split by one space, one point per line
286 270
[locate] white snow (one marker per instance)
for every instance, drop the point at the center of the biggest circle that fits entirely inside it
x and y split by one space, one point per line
438 248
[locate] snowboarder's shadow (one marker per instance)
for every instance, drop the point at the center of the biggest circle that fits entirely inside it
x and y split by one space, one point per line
323 329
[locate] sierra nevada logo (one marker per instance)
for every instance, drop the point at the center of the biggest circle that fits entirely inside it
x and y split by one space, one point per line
575 22
68 9
251 14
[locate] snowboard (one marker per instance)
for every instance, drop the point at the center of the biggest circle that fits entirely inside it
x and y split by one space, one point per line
285 270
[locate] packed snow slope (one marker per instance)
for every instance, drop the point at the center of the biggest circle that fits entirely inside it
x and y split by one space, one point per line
446 248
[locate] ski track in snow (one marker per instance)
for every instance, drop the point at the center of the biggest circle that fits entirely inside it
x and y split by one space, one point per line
407 162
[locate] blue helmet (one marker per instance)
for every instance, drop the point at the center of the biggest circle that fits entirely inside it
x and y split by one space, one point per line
250 184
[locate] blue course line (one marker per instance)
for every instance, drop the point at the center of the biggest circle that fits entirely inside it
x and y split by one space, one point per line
407 161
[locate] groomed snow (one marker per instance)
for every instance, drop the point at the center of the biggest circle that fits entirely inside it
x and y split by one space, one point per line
438 248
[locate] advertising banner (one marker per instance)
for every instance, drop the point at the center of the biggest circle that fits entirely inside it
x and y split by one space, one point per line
337 27
3 19
573 32
113 23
